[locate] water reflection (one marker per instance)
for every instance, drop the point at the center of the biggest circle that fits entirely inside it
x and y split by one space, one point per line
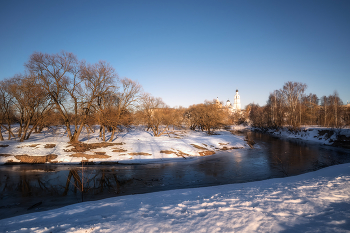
28 188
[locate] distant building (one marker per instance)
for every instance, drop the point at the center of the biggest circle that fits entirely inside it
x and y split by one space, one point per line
236 107
237 103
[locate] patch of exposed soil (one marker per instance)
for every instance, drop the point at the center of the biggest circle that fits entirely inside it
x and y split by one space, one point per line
182 154
36 159
118 150
49 145
88 156
178 153
206 152
198 147
4 145
31 145
223 144
138 153
82 147
100 153
168 152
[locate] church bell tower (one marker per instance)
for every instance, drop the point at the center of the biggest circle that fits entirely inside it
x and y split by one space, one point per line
237 102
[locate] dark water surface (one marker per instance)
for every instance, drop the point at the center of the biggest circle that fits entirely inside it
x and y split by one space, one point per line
30 188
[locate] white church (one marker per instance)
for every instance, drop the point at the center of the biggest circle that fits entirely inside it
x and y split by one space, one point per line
236 107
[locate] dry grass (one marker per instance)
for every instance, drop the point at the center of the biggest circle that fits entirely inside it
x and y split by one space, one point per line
49 145
36 159
119 150
88 156
100 153
178 153
83 147
198 147
182 154
5 155
168 152
31 145
206 152
139 153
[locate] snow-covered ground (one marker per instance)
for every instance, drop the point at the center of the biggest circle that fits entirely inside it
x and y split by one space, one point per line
135 145
313 134
313 202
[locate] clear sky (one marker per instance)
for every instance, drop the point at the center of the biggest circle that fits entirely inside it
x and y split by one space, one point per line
189 51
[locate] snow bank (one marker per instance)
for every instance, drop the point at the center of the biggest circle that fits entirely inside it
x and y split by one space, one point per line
313 134
133 146
314 202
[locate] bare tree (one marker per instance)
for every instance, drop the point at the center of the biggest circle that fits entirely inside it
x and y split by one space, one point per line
7 114
258 116
292 92
153 111
31 101
207 116
310 108
58 74
72 86
115 108
99 82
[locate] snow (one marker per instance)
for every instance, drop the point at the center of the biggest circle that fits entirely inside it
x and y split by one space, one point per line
135 140
313 202
311 134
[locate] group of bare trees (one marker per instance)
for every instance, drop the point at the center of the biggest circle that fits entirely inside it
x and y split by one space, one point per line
60 88
290 106
207 116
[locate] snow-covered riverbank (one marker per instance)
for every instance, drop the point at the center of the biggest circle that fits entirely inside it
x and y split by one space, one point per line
313 202
132 146
314 134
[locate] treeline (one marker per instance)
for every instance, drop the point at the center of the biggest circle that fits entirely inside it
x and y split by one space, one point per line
58 89
290 106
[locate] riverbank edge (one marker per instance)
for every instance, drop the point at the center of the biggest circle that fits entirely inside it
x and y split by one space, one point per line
136 145
321 135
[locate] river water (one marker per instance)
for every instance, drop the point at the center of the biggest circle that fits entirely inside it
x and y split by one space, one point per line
29 188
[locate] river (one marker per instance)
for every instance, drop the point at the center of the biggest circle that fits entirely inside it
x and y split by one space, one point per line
29 188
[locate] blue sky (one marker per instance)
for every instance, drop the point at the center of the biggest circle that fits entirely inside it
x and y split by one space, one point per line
189 51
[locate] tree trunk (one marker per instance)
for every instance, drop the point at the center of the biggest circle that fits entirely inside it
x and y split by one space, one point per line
104 133
75 137
31 130
25 132
9 131
20 129
112 136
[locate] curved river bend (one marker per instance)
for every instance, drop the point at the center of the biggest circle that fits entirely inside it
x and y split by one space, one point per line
30 188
